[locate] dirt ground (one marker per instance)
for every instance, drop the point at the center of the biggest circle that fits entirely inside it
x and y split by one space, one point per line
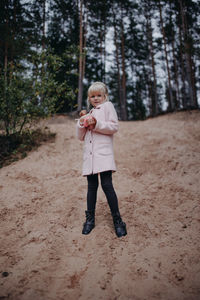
44 256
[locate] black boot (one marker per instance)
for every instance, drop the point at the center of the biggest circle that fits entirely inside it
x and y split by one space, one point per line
90 221
120 226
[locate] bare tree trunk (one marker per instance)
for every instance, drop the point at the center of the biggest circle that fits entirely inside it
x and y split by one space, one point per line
104 52
194 82
182 66
148 93
154 96
177 101
177 98
43 23
80 79
13 33
85 40
189 74
123 100
6 121
43 41
171 104
6 61
117 59
6 51
101 50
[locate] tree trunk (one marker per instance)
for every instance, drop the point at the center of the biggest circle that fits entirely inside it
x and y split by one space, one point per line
170 102
43 43
117 59
13 32
102 49
6 61
182 67
80 79
177 101
84 41
194 81
188 60
123 99
6 50
177 98
6 121
43 23
154 96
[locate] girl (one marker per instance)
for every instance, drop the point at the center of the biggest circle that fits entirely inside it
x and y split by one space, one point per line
96 129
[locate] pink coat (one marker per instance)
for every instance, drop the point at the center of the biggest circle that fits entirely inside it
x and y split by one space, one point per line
98 153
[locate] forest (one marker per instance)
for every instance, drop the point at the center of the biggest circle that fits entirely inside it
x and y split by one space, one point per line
147 52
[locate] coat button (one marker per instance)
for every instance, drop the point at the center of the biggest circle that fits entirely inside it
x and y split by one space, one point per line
90 141
90 152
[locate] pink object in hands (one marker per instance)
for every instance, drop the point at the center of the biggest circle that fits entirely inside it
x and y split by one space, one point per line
85 120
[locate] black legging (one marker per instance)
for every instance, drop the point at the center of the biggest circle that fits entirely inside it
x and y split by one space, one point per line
107 186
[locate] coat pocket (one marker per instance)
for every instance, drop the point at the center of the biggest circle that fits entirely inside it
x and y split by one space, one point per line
104 150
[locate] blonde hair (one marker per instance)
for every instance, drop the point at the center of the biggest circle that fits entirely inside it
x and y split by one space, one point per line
97 87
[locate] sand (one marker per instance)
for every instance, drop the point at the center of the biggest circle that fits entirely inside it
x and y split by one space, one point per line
44 256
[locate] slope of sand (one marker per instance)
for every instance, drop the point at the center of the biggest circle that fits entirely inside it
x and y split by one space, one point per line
42 203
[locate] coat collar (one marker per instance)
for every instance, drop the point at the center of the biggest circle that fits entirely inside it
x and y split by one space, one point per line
98 106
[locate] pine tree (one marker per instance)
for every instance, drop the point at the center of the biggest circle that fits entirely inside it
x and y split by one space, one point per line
63 38
16 30
81 75
187 40
169 87
152 78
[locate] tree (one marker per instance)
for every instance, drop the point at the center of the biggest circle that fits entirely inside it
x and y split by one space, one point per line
63 38
188 47
120 56
152 83
82 45
170 98
16 29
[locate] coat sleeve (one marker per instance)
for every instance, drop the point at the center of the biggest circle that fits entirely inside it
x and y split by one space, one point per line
110 125
80 131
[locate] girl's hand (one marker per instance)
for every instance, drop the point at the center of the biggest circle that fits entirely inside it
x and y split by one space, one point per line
81 121
90 122
83 115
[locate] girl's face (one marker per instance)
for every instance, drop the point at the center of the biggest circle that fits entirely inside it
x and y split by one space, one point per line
96 98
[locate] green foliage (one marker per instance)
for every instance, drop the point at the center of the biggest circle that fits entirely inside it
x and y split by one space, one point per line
14 109
16 30
67 74
25 98
50 83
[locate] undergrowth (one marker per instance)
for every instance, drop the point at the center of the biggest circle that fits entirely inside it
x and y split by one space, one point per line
15 146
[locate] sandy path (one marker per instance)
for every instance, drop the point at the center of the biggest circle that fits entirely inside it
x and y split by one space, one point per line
42 203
